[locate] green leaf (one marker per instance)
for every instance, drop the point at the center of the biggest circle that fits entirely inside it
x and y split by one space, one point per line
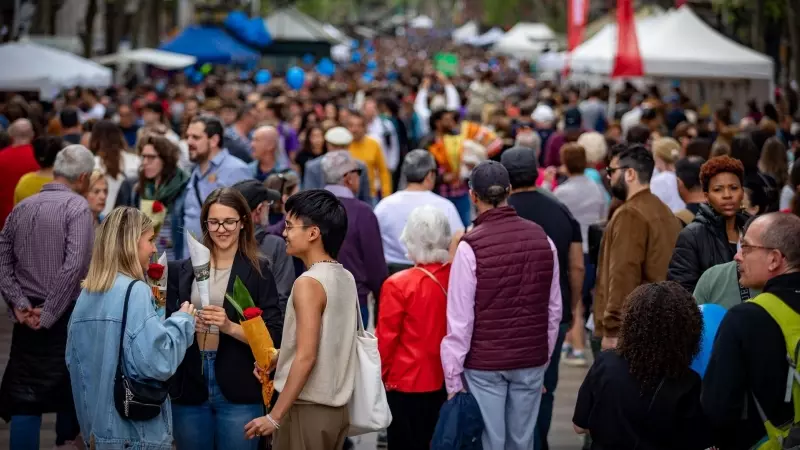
241 298
235 305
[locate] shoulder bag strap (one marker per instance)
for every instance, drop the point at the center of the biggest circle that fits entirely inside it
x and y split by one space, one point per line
195 184
744 293
124 321
430 275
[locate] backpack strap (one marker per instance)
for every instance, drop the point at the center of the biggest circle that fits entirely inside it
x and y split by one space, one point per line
789 322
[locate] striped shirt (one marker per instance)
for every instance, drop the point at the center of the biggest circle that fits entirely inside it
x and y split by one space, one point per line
45 249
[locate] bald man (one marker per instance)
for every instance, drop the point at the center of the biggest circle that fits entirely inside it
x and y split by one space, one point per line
15 161
21 132
266 142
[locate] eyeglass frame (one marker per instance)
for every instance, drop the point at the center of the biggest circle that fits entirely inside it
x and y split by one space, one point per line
610 170
223 225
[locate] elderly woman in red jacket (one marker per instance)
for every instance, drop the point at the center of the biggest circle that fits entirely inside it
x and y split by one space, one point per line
411 326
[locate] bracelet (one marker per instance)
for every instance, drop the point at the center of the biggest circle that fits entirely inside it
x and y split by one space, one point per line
273 422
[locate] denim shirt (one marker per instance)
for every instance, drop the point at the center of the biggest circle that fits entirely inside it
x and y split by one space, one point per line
152 351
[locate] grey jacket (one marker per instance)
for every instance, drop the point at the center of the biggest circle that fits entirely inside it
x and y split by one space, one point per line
313 178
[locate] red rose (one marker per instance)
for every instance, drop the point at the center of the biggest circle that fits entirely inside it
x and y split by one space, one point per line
157 207
155 271
252 312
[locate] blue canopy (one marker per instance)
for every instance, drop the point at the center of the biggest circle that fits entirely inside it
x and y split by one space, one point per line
210 45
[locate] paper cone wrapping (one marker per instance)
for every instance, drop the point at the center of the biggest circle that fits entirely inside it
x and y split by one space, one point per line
201 263
263 350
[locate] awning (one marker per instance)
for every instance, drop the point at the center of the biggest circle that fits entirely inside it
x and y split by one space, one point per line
210 45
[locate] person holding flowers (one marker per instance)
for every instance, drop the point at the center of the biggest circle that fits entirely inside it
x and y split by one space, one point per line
158 191
152 349
316 366
214 392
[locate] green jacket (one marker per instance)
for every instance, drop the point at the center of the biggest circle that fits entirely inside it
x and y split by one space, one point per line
720 285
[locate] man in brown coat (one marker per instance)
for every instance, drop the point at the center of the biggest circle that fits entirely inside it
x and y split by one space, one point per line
638 241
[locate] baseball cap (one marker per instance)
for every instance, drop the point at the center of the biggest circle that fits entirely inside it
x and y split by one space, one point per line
256 193
572 119
489 179
335 165
519 159
339 136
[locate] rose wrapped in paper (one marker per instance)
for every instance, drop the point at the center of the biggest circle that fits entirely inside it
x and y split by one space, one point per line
156 211
255 330
157 278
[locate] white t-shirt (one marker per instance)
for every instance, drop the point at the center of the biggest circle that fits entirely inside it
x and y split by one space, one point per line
664 185
98 112
393 212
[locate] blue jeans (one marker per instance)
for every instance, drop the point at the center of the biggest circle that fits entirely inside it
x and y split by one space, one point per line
542 427
509 402
24 430
217 423
464 207
365 314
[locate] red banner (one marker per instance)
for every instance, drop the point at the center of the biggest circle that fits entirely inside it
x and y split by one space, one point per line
577 14
628 62
679 3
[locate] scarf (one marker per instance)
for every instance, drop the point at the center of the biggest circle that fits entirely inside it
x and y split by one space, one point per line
167 191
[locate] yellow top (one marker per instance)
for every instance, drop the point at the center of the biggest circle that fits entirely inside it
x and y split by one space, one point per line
30 184
369 152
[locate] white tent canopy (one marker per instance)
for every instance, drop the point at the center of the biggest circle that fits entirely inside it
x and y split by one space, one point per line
679 45
466 32
525 40
34 67
337 34
154 57
488 38
289 24
422 22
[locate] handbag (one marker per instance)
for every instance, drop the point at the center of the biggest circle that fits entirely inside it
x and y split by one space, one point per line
368 407
135 400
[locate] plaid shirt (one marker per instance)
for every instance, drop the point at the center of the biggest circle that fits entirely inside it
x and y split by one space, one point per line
45 249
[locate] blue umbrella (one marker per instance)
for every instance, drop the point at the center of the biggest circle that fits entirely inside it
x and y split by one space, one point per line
712 318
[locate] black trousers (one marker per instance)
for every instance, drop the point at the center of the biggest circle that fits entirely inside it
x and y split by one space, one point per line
414 417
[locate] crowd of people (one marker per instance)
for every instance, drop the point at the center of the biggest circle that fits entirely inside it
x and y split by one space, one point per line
488 225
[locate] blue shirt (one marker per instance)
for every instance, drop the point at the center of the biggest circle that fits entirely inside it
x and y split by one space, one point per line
224 170
152 350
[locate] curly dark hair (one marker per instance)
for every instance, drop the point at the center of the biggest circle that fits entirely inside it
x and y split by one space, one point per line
718 165
660 333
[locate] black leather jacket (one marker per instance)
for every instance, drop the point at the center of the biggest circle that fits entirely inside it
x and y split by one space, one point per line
701 244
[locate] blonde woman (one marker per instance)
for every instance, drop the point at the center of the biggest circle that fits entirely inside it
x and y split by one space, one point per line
664 184
97 195
152 349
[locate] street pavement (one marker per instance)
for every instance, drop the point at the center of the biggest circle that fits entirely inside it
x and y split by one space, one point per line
562 437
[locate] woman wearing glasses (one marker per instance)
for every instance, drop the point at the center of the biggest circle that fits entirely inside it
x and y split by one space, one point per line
214 393
712 237
157 191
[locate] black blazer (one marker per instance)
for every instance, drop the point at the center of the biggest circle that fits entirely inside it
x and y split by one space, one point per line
234 362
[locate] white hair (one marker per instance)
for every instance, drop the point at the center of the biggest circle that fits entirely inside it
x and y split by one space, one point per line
427 236
529 140
595 145
73 161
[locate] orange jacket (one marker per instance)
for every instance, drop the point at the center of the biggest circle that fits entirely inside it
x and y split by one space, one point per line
411 326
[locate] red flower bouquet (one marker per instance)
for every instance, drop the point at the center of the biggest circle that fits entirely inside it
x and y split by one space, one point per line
252 312
155 271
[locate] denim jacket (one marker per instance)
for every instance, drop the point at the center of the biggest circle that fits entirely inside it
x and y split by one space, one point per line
152 351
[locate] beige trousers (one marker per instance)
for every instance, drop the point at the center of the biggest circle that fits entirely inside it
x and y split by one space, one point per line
309 426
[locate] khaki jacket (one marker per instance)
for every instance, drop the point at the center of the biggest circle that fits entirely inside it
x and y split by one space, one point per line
636 249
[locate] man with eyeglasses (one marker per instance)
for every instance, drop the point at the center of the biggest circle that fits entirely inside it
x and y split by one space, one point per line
746 377
638 242
362 250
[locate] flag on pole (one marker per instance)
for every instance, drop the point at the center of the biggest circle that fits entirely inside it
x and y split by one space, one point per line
679 3
628 61
577 16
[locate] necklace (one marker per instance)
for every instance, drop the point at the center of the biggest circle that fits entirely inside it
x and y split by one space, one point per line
329 261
